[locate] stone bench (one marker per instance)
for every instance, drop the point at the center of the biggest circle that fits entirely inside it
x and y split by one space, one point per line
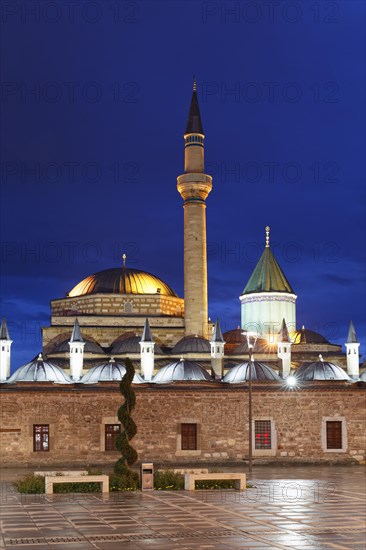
50 480
190 479
61 473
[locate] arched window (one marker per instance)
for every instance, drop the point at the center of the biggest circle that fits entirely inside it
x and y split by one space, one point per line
128 307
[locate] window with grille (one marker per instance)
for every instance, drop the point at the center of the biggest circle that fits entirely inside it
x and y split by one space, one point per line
111 432
189 437
41 437
263 438
334 434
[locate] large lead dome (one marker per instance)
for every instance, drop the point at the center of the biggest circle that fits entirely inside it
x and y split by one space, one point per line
121 280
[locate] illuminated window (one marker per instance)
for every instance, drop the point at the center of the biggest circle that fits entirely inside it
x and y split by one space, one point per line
189 437
263 438
334 434
40 437
111 432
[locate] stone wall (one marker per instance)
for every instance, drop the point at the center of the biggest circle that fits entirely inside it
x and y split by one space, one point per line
115 304
77 414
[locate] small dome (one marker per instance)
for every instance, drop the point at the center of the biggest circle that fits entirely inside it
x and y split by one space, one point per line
90 347
181 370
130 345
260 371
40 370
108 372
192 344
321 370
261 346
363 376
305 336
121 280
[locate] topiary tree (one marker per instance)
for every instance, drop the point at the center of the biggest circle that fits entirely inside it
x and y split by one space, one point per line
122 443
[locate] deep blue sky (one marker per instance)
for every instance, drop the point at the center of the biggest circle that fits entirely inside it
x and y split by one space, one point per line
281 91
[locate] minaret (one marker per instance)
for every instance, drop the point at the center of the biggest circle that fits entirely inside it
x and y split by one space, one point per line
267 298
5 345
147 352
353 359
76 352
284 349
217 351
194 186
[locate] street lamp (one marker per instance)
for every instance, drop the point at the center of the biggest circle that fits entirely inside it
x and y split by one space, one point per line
251 340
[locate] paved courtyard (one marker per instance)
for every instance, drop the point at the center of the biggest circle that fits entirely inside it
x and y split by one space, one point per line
288 507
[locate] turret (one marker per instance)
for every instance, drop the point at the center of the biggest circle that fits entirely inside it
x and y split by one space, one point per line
217 351
147 352
284 349
194 186
5 350
268 298
353 359
76 352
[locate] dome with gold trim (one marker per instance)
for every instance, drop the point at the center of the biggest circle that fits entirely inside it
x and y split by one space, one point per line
121 280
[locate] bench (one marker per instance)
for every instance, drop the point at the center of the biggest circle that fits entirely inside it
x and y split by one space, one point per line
50 480
61 473
190 479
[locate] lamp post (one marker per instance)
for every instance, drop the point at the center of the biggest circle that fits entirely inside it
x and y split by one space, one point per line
251 339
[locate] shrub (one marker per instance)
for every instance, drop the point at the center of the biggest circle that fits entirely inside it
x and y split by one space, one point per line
31 484
168 480
122 444
127 481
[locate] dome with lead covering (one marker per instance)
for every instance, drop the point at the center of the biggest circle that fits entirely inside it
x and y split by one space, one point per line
305 336
181 370
259 371
40 370
131 344
363 376
321 370
90 347
108 372
121 280
192 344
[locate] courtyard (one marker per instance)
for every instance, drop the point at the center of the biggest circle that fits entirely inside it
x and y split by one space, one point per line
302 507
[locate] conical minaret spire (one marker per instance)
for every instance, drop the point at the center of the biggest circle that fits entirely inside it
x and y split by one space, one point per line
194 122
194 186
351 337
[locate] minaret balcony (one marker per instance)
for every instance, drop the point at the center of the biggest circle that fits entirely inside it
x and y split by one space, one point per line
194 185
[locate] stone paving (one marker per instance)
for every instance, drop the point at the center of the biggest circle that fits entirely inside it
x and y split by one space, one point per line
299 508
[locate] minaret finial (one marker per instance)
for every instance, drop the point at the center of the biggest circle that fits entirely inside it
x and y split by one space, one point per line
268 229
124 260
194 84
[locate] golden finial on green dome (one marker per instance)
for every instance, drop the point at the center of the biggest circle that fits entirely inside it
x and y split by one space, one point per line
268 229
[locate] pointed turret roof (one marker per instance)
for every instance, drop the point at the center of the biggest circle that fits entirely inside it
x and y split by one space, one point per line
76 333
4 333
352 338
283 334
267 275
146 334
217 334
194 123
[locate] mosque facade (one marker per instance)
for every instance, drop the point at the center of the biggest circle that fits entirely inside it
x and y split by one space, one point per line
191 379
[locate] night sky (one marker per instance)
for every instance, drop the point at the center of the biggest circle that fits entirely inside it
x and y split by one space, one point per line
94 100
